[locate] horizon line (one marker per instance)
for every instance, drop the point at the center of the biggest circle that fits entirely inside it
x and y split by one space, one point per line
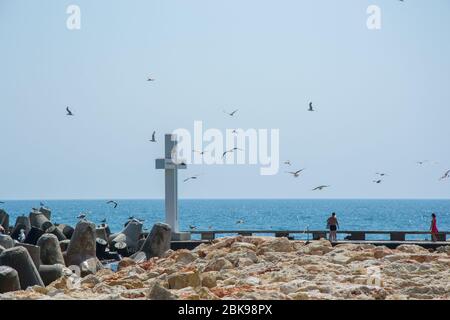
212 198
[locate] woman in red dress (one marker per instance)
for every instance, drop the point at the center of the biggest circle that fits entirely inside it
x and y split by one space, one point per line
433 228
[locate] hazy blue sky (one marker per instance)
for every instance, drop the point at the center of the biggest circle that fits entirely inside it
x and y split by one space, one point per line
383 97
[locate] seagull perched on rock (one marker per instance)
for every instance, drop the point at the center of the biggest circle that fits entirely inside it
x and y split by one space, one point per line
311 108
131 218
320 188
153 137
445 176
82 216
230 151
232 113
113 202
69 113
296 174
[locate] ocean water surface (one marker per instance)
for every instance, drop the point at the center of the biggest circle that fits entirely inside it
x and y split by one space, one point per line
256 214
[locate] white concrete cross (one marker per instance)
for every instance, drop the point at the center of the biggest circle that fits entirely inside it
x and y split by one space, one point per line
171 174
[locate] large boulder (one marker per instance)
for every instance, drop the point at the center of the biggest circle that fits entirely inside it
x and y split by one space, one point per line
158 241
34 251
6 241
130 235
39 220
82 246
9 279
4 219
50 249
19 259
50 273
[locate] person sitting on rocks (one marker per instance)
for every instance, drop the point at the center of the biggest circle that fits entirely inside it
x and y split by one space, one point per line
332 224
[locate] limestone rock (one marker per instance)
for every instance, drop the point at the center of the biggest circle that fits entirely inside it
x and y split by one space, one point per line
158 292
181 280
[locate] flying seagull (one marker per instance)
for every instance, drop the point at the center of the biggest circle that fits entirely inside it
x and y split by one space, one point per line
320 188
381 174
229 151
81 216
446 175
287 162
296 174
150 79
190 178
113 202
153 137
69 113
311 108
232 113
377 181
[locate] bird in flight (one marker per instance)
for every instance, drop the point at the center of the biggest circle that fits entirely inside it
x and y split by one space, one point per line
81 216
191 178
150 79
113 202
230 151
69 113
287 162
377 181
381 174
232 113
320 188
311 108
446 175
153 137
296 174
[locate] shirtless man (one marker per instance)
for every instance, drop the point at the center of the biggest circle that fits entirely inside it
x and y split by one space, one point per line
333 225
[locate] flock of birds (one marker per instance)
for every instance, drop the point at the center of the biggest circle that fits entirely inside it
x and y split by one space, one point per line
296 174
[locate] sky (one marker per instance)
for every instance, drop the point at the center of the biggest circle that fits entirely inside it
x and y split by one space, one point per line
382 97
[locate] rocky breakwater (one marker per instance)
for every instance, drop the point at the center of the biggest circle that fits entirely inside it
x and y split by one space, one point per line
264 268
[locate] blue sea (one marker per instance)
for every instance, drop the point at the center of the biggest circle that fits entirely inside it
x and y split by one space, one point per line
256 214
